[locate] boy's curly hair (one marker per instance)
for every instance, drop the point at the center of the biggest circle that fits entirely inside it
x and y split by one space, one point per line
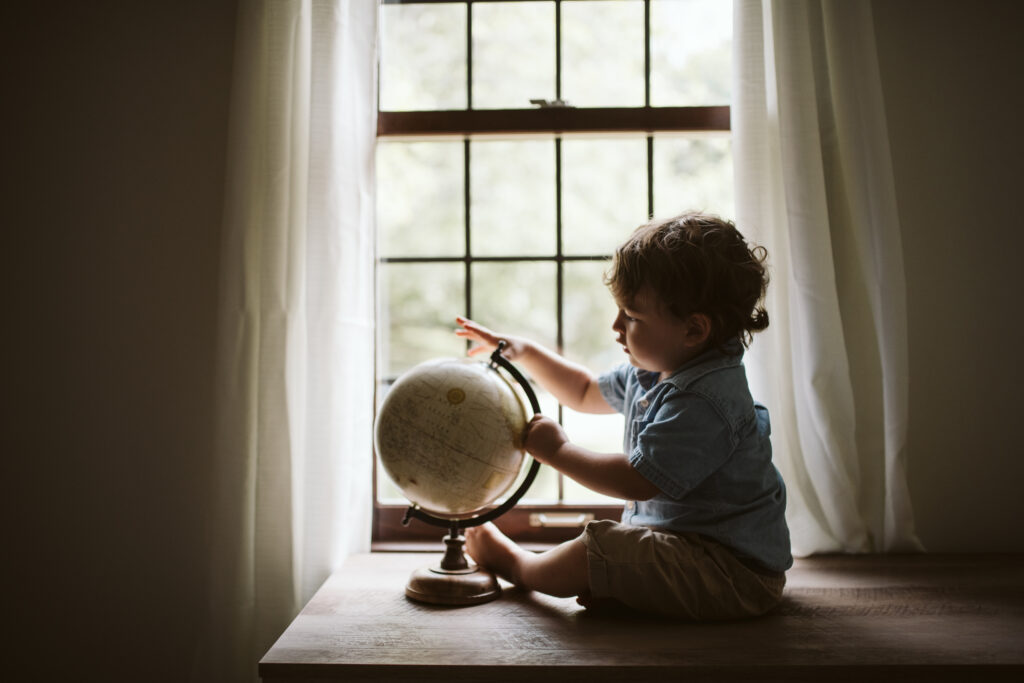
696 263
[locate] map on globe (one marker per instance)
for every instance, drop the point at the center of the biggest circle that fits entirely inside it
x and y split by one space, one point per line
449 434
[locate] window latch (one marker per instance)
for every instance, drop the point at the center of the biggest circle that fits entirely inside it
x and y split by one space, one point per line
551 104
560 519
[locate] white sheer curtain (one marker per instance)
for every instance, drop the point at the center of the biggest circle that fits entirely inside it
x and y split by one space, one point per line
295 382
814 185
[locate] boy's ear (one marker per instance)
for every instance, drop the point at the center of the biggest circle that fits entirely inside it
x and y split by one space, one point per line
698 329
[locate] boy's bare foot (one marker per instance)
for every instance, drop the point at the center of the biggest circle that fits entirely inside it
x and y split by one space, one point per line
561 571
495 551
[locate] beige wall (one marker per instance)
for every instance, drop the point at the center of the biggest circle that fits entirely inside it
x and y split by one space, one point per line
951 74
113 183
114 146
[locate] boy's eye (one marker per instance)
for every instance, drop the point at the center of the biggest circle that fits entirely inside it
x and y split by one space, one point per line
626 316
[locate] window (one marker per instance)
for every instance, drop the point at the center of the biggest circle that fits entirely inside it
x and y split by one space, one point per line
518 143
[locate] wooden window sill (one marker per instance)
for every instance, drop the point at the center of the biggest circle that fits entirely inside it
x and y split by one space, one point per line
437 546
516 523
867 617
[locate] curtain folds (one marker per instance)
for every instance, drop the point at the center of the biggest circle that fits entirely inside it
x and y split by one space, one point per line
814 185
295 376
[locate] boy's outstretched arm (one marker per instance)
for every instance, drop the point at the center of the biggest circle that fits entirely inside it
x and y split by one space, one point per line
573 385
608 473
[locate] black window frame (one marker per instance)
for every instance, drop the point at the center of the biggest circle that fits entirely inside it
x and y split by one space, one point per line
529 524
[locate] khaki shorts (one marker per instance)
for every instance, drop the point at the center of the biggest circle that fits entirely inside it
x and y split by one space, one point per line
678 575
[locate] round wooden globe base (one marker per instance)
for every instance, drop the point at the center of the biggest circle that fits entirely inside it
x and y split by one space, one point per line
455 581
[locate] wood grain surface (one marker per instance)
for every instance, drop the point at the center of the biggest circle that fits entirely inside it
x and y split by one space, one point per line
913 617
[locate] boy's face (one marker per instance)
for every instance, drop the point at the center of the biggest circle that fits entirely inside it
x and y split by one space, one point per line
653 337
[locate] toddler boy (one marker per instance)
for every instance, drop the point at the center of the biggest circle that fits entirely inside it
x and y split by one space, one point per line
703 535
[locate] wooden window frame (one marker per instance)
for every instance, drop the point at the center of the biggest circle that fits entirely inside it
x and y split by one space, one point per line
529 524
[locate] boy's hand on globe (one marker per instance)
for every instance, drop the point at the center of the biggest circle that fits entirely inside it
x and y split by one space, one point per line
488 339
544 437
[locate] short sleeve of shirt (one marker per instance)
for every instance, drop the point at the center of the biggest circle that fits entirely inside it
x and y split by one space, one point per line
681 444
613 387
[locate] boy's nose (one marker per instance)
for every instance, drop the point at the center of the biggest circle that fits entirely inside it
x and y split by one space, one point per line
617 323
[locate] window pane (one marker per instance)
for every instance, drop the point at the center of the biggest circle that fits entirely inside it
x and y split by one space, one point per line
693 172
603 53
420 204
601 433
691 52
516 298
512 206
419 305
423 57
604 192
513 54
588 311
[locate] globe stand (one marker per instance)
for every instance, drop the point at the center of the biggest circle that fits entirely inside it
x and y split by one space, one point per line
456 581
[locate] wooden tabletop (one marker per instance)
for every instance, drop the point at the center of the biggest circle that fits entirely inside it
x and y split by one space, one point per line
843 617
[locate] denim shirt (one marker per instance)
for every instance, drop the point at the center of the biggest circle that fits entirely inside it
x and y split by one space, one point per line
704 442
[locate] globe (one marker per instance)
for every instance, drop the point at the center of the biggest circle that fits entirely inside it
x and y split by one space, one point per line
449 435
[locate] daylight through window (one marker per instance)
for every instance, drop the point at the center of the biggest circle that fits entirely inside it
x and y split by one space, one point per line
518 143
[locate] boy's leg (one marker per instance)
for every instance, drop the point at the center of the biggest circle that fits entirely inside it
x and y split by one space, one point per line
561 571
